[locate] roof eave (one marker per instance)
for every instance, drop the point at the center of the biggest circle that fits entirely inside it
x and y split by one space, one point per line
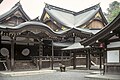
99 35
13 9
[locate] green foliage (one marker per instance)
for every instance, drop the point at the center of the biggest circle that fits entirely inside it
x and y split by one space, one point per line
113 10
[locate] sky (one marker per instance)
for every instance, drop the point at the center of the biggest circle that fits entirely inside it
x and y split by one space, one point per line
34 8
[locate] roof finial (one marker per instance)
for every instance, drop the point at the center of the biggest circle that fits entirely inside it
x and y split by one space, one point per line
46 5
19 1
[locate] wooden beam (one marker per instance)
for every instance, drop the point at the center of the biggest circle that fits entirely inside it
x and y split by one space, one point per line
104 61
89 60
40 55
86 60
12 53
100 67
0 40
62 57
74 61
52 59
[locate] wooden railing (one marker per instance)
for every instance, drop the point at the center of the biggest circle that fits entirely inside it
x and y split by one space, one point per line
49 57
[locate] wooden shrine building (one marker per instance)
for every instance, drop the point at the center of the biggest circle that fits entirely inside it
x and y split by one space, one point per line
35 43
109 38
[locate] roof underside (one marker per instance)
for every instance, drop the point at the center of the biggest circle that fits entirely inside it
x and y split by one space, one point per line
74 46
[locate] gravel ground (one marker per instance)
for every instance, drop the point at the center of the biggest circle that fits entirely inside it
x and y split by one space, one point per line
68 75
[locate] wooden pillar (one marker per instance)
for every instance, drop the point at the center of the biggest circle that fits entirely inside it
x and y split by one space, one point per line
71 57
88 60
104 61
62 57
40 55
52 59
74 61
100 67
0 40
12 53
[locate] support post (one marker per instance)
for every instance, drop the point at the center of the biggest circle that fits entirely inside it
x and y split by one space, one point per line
100 54
74 61
0 40
104 61
89 60
52 59
12 53
86 60
62 57
40 55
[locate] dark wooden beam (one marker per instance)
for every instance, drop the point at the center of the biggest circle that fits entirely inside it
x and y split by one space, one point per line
104 61
74 61
100 67
62 57
52 59
40 55
0 39
89 60
86 60
12 53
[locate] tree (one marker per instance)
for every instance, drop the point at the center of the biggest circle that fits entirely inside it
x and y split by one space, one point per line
113 10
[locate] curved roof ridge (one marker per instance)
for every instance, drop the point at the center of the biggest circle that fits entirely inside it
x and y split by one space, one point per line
71 20
17 4
58 8
32 22
12 10
89 8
